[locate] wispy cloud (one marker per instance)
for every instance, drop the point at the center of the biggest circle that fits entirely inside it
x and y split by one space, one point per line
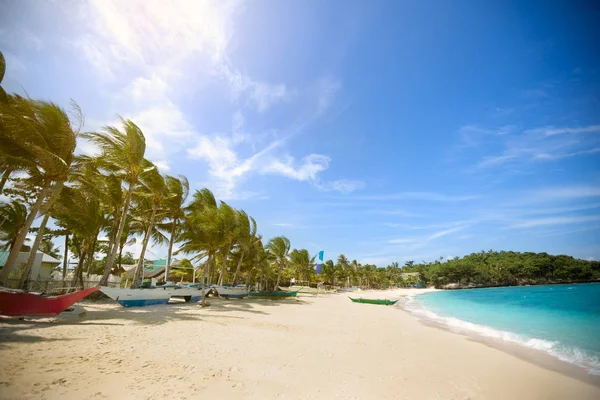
308 170
552 131
539 144
532 223
427 196
446 232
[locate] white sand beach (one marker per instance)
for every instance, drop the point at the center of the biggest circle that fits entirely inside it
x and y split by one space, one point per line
321 347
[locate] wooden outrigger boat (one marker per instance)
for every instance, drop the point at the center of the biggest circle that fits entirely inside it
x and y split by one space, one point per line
230 292
274 294
374 301
151 296
16 303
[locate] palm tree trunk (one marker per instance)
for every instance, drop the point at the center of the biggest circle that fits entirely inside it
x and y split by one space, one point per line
237 270
33 253
5 177
77 275
16 248
121 245
111 257
91 258
224 265
112 241
207 263
278 275
140 267
65 259
169 254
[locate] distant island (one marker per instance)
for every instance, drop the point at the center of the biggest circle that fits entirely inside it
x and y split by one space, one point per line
504 268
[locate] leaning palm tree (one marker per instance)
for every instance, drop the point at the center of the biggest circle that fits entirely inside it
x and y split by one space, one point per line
80 212
303 262
246 239
151 195
177 192
202 232
122 156
279 246
43 130
230 228
12 216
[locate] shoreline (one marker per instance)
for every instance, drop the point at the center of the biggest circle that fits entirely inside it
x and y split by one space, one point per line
320 347
514 348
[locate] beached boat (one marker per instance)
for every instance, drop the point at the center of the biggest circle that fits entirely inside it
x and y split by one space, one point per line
137 297
230 291
349 289
187 293
274 294
17 303
374 301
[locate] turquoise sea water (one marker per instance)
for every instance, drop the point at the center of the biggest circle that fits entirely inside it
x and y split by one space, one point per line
561 320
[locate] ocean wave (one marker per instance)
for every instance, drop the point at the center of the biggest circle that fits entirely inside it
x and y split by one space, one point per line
556 349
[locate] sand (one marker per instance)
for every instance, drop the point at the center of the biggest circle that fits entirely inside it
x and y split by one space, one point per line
321 347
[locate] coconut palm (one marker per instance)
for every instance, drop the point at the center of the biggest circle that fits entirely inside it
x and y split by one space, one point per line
151 196
202 234
229 219
13 216
246 239
178 190
122 156
303 262
279 246
80 212
43 130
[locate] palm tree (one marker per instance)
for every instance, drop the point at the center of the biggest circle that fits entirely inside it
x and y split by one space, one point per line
152 195
80 212
246 239
230 228
303 262
178 190
43 130
48 247
279 246
13 216
123 156
202 233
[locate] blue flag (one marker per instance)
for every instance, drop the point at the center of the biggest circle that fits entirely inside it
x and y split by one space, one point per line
319 266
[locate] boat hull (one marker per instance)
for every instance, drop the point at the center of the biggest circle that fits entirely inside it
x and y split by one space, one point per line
273 295
231 292
137 297
383 302
19 304
189 294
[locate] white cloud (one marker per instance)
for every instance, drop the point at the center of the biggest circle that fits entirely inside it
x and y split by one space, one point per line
566 192
427 196
540 144
162 165
446 232
532 223
551 131
546 156
308 170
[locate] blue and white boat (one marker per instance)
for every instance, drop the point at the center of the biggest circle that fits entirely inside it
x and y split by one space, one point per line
151 296
136 297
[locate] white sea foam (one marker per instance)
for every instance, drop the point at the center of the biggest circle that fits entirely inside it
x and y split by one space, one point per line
554 348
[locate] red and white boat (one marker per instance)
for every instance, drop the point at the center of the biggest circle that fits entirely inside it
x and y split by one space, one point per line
17 303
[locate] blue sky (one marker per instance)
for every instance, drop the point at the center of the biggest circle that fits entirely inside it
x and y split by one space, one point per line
387 131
